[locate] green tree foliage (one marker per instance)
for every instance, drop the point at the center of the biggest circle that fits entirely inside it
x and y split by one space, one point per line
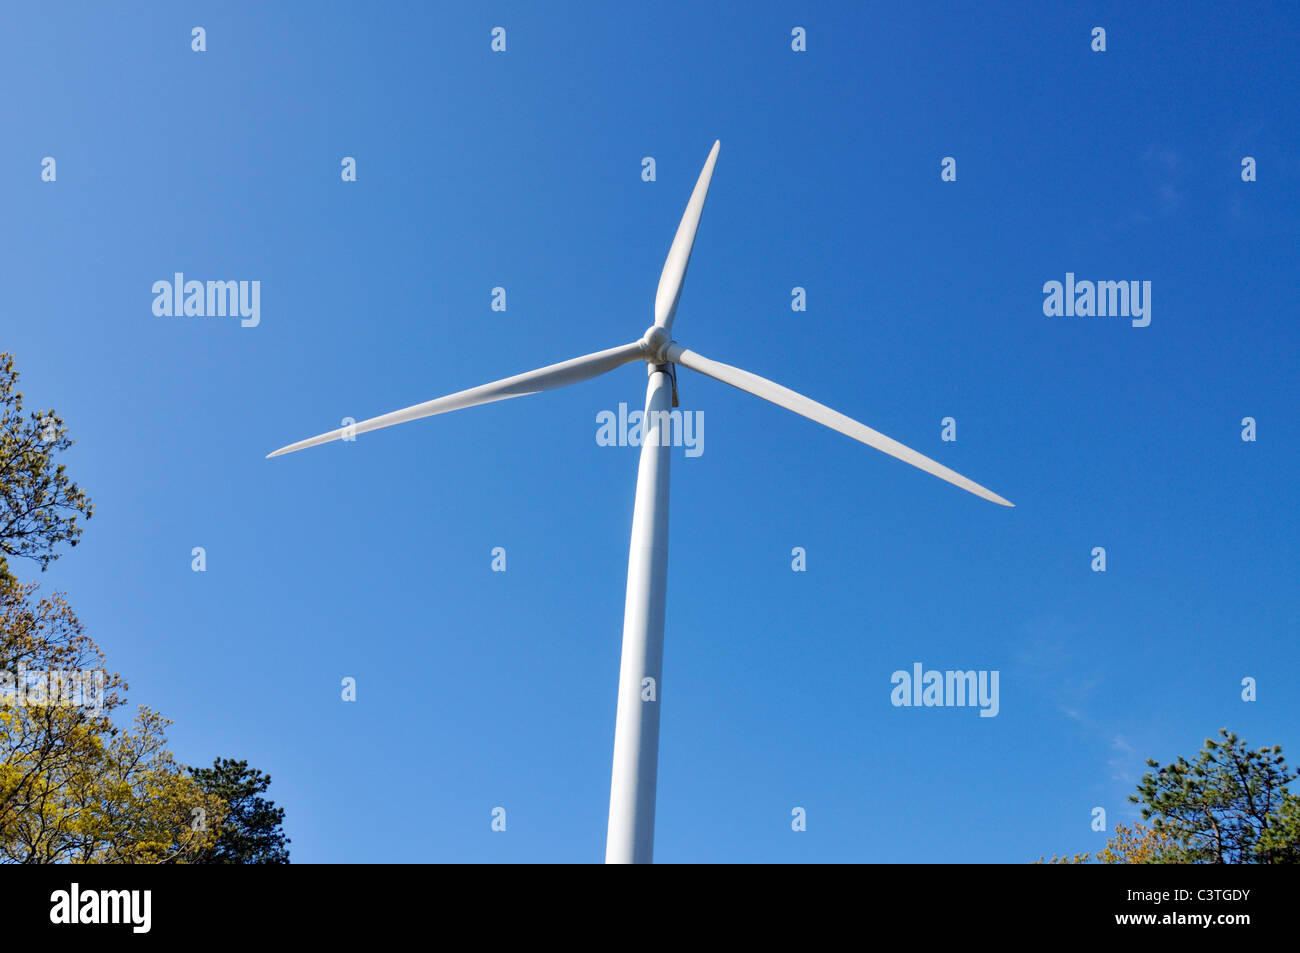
250 832
1230 806
39 505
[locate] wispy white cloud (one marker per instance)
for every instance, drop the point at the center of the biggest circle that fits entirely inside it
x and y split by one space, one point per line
1165 169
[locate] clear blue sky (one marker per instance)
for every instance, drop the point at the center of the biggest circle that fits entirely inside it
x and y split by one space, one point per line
371 560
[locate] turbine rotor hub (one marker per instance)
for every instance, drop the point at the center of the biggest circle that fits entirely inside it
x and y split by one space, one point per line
655 343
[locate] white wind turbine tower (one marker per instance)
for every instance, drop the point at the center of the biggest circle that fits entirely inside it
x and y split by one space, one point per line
636 732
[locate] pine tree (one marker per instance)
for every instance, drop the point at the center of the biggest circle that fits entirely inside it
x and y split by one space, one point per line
250 832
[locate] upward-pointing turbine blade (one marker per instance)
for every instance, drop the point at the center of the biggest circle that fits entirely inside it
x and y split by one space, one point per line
679 255
784 397
531 382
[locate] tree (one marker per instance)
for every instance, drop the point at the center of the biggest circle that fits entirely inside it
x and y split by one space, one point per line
250 832
1231 806
74 788
1128 845
41 742
1282 840
39 505
1135 845
135 805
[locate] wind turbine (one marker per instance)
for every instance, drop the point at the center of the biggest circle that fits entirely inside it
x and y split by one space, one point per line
630 837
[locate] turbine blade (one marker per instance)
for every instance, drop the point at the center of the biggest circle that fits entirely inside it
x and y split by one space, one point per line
531 382
679 255
784 397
